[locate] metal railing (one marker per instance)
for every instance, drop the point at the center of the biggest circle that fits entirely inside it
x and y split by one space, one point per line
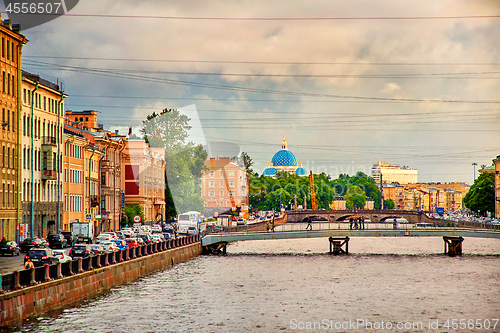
46 273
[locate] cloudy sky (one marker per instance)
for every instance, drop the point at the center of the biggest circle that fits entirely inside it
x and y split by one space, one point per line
348 82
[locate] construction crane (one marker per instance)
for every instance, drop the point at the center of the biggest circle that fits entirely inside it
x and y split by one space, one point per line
314 205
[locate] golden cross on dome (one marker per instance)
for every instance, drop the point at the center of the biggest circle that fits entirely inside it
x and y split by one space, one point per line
283 144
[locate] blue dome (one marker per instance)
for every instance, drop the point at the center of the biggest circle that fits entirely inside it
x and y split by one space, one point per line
301 171
269 172
284 158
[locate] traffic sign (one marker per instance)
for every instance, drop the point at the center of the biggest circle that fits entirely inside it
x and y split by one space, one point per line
137 218
104 213
88 217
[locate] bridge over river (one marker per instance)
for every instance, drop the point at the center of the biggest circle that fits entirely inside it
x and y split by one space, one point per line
335 225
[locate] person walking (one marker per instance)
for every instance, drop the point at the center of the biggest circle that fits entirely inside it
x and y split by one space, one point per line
363 222
350 223
309 224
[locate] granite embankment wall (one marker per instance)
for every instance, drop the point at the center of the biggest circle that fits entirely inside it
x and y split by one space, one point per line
33 301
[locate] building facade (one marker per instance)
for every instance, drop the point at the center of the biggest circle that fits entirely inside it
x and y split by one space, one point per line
42 142
224 184
496 162
143 178
393 173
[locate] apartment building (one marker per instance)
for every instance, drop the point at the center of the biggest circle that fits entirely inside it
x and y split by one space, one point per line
224 184
42 135
11 46
393 173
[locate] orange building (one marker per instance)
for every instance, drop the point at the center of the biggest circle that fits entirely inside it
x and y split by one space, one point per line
12 43
143 178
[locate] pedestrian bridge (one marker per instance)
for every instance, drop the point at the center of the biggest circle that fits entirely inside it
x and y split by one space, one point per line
225 238
372 215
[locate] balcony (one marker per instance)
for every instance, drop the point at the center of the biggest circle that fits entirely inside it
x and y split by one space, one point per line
106 164
49 141
95 200
49 175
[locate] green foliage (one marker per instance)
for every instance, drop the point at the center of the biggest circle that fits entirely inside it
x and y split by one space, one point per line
325 190
247 162
481 195
389 204
132 210
355 197
184 161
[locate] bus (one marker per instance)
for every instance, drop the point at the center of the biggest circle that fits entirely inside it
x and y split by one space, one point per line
189 219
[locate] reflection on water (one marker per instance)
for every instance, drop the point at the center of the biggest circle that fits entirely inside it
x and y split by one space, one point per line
256 288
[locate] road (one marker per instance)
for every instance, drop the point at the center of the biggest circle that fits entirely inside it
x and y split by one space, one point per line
9 264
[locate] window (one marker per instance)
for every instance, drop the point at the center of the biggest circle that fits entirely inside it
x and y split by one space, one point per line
211 183
24 95
211 174
231 183
8 120
211 193
13 85
3 81
24 158
13 120
3 47
8 49
8 84
231 173
44 103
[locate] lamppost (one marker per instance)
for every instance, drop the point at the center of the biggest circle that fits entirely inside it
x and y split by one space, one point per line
33 96
474 165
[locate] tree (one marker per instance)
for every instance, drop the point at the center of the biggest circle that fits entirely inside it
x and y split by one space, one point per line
355 197
247 162
389 204
132 210
184 161
481 195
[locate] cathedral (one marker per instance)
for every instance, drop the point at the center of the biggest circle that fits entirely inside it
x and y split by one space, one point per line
284 160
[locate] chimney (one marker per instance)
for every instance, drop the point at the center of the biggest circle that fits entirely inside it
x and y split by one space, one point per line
6 23
16 28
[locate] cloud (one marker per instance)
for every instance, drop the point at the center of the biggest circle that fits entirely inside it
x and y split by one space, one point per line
390 87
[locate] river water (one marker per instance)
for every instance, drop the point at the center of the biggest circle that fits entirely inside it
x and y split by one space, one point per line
392 284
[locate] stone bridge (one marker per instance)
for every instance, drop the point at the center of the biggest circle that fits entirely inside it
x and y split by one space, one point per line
372 215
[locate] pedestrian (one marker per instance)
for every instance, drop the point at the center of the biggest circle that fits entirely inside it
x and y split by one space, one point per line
28 264
363 221
309 224
395 224
350 223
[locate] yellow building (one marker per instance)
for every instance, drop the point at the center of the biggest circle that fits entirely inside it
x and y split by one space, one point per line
496 162
41 155
393 173
12 43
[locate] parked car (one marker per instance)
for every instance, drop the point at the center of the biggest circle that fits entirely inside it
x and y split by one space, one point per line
81 250
240 222
97 249
10 247
156 228
156 238
140 241
57 241
192 231
29 243
167 236
121 243
71 239
131 242
127 232
103 238
40 256
62 255
145 237
110 246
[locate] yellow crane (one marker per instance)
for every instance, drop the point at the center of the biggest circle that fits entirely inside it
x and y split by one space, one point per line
314 205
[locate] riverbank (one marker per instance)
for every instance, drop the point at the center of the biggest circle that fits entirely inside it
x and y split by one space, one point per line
68 291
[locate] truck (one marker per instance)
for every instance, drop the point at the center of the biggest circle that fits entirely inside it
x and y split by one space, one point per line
83 231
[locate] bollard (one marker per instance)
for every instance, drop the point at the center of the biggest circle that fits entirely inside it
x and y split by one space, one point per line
80 265
58 270
70 267
139 251
127 254
133 250
119 255
17 285
99 256
106 259
90 263
46 277
33 279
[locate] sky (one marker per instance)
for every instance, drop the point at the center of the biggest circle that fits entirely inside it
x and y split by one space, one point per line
349 83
